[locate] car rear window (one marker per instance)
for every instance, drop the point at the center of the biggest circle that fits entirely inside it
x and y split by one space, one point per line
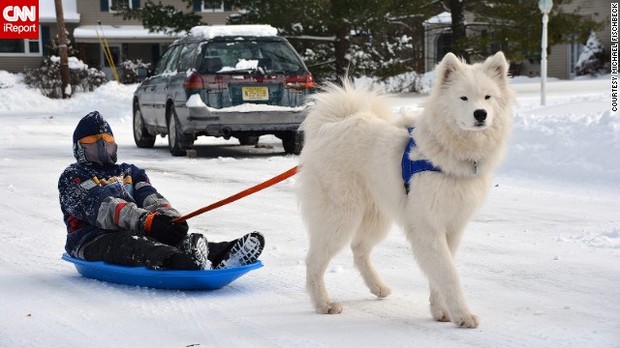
247 55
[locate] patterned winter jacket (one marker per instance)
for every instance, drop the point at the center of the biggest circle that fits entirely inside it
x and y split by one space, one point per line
96 200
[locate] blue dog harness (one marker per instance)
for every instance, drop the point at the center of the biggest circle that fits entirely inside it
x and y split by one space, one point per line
410 167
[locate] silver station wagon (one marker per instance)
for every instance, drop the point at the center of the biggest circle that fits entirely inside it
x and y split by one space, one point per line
239 81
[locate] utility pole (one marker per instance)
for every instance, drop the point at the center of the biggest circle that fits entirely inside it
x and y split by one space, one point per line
65 76
545 7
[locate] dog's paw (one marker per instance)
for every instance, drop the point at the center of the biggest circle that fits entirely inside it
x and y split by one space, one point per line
438 310
330 308
381 291
468 321
439 314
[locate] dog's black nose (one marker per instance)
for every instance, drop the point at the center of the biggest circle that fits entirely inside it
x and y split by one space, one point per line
480 115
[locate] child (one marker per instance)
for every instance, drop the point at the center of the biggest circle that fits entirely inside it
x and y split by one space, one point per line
114 214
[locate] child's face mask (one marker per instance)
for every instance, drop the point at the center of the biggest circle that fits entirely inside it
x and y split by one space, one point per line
99 148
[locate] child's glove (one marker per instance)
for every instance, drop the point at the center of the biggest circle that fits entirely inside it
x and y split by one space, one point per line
160 227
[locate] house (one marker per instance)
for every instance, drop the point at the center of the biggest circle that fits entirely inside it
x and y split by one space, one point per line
561 59
91 22
15 55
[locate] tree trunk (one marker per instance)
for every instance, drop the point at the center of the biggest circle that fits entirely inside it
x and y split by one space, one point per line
342 33
341 49
459 34
65 76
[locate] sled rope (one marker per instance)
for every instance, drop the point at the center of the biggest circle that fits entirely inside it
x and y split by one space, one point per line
276 179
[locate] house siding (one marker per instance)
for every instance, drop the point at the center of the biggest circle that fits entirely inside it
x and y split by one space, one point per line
91 13
215 18
18 64
558 62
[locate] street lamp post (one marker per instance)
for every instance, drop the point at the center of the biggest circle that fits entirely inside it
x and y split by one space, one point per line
545 7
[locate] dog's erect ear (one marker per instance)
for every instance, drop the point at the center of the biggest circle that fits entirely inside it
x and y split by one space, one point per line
447 67
497 67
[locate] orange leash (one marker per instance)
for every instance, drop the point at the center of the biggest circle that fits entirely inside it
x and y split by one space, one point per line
287 174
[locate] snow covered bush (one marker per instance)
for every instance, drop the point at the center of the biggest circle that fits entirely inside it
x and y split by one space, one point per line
402 83
54 49
46 78
593 60
129 70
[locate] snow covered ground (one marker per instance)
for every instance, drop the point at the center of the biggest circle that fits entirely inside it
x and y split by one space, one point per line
540 263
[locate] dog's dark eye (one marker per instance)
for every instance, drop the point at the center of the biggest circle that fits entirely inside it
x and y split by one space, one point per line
487 97
463 98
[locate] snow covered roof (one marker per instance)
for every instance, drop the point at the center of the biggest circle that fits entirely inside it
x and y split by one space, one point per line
442 18
47 11
138 33
211 31
91 33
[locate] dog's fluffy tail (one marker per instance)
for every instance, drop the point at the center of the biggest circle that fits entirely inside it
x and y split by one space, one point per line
335 103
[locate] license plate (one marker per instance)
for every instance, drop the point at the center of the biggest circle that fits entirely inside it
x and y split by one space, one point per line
255 93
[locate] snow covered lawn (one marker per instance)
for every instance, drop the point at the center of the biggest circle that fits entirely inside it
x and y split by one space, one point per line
540 264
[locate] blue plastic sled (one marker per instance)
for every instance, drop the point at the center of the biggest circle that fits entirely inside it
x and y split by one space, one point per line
162 279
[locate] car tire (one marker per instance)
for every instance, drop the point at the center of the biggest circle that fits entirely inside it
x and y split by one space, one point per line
177 142
141 135
293 142
248 140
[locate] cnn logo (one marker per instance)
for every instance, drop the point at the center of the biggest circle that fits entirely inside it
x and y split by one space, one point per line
19 19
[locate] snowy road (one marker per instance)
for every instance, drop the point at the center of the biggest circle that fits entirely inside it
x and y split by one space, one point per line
540 264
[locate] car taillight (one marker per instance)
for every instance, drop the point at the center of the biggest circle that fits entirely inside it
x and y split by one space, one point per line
300 82
214 82
194 81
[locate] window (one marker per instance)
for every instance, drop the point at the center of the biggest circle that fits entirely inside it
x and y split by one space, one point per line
18 48
272 56
120 3
115 53
173 60
212 6
186 59
168 62
116 5
575 49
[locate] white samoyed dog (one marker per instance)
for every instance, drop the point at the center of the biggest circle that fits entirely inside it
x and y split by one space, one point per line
351 185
